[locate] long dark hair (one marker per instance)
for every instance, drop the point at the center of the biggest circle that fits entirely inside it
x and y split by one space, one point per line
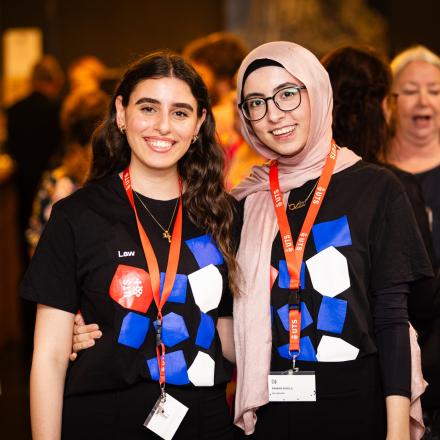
201 168
361 79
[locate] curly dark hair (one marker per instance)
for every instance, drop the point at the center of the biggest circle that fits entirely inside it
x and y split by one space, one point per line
201 168
361 79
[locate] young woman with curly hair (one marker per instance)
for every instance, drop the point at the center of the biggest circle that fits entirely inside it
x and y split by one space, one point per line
144 250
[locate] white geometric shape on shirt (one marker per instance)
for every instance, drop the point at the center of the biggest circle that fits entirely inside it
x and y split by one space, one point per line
328 271
332 349
207 287
201 372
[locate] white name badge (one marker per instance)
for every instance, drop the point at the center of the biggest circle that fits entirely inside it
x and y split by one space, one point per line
166 417
298 386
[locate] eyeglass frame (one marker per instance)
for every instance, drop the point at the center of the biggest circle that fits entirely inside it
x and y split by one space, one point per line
299 88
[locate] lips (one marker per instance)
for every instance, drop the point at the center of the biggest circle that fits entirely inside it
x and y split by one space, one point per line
159 145
421 121
284 131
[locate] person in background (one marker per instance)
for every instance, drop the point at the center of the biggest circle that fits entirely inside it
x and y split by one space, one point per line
81 113
413 111
414 115
86 74
33 139
361 81
217 58
34 135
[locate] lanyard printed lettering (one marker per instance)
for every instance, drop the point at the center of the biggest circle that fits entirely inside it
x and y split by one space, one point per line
294 254
153 268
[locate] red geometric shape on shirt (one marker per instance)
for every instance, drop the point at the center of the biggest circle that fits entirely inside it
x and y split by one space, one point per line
273 276
131 288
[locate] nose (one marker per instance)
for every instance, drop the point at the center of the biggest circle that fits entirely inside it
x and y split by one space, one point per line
163 123
274 114
423 97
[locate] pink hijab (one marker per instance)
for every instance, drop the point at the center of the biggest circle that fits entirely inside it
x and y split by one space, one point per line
252 328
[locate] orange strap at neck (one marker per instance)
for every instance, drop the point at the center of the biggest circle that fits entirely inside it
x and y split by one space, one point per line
295 254
153 267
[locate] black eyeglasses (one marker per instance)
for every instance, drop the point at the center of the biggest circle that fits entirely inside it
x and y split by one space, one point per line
286 99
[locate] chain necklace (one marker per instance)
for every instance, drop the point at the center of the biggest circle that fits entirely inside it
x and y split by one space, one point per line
302 203
166 232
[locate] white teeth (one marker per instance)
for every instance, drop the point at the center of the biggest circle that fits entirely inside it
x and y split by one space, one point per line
284 130
160 144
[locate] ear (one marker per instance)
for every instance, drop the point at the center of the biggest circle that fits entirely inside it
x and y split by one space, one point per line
120 112
387 107
200 121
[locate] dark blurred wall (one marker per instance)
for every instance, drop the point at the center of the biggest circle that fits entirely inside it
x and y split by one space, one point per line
116 31
411 22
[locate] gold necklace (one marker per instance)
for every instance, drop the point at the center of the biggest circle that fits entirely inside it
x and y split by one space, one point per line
166 232
301 203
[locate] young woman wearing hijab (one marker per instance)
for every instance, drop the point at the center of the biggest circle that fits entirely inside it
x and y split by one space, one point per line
144 250
327 294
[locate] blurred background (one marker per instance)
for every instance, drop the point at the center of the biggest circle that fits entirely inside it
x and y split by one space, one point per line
90 43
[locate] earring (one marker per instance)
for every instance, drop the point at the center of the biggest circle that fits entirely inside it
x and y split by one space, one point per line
195 137
122 129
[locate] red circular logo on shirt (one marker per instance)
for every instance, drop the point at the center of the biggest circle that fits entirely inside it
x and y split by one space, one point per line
131 288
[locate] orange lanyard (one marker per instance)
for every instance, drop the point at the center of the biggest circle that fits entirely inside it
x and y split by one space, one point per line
295 254
153 268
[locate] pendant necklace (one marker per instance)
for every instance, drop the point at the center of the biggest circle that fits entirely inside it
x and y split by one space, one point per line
302 203
166 232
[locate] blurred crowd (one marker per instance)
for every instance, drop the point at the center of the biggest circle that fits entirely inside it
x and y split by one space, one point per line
387 112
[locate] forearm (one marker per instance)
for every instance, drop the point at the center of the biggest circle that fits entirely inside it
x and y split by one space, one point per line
397 418
226 334
52 343
46 393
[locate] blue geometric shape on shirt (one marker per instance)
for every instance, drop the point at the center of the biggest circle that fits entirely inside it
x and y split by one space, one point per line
178 293
174 329
307 352
176 371
331 316
306 318
205 251
206 331
333 233
284 277
133 330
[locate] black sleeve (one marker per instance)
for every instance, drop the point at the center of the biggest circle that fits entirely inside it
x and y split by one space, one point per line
392 336
398 257
51 276
398 253
424 295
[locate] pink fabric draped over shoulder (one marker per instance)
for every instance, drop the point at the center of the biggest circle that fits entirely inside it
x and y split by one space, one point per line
252 323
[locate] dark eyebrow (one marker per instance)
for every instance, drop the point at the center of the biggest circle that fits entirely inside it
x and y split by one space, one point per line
285 85
276 89
144 100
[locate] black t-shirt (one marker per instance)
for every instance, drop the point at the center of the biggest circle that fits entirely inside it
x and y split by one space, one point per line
430 181
90 258
363 246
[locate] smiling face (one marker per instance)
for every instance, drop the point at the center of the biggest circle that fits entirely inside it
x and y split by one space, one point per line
418 102
284 132
160 122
